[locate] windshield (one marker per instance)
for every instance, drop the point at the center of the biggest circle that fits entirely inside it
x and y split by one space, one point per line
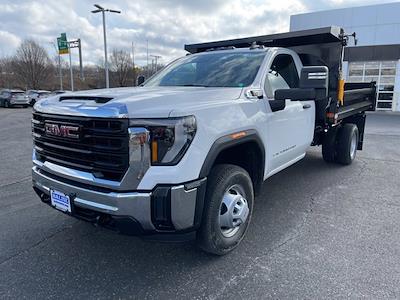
211 70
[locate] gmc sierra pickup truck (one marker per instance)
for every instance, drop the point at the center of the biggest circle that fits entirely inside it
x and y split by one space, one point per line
183 156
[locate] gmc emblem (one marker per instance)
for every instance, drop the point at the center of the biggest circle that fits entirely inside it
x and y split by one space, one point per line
62 130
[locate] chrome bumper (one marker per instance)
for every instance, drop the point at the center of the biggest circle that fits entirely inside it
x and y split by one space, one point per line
136 205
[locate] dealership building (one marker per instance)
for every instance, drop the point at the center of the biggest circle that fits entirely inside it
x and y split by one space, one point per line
376 57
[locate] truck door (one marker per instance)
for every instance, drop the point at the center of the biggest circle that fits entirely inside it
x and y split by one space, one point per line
290 131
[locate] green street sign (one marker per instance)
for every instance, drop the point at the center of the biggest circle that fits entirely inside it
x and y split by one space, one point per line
62 44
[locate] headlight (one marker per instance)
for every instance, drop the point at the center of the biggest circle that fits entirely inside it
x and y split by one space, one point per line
169 138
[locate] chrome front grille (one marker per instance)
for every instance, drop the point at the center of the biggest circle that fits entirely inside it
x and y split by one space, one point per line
102 147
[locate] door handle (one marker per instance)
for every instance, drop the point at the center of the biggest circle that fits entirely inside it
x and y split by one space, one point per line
306 106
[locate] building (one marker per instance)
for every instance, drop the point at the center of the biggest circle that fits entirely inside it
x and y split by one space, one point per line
377 54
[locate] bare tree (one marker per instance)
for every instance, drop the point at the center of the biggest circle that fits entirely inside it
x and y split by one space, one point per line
121 67
7 76
32 65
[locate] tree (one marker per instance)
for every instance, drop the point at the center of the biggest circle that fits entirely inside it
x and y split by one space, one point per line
121 67
7 76
32 65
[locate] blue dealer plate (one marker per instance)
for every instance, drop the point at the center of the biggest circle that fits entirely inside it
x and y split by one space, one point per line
60 201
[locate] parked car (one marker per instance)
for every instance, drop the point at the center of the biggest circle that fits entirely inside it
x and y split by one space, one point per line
183 156
10 98
58 92
36 95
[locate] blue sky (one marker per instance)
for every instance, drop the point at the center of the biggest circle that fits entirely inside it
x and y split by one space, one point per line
166 24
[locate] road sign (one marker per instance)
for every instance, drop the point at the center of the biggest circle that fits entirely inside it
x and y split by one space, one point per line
63 44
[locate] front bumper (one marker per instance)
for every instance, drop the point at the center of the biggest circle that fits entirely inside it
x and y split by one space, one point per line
166 210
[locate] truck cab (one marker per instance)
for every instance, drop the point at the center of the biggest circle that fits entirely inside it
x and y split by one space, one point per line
183 156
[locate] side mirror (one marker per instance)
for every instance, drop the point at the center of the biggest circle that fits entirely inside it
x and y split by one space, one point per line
315 77
313 85
140 80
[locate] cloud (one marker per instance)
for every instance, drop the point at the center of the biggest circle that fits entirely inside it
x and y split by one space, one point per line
166 25
9 42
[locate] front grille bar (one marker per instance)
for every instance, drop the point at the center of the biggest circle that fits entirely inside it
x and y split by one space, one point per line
102 149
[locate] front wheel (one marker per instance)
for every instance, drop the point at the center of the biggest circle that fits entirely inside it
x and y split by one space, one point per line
228 209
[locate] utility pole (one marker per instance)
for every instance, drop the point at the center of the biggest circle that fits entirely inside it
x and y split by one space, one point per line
103 11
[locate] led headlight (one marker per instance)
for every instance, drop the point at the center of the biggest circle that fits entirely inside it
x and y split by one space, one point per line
169 138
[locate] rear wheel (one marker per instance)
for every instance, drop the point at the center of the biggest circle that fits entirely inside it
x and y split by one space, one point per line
347 141
228 209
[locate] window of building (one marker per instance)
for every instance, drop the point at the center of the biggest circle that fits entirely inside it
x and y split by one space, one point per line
383 73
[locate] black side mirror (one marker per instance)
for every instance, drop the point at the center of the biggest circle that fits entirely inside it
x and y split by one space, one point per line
140 80
315 77
313 85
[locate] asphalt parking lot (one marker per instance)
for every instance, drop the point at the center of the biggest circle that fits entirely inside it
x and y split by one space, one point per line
318 231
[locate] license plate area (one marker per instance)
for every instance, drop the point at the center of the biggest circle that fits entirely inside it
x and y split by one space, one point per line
61 201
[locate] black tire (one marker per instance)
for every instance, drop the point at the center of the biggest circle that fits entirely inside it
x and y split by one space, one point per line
329 146
345 148
7 104
211 237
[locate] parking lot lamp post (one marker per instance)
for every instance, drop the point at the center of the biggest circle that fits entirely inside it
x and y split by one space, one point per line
103 11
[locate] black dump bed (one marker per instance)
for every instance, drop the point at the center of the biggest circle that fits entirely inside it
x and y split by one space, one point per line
358 97
315 47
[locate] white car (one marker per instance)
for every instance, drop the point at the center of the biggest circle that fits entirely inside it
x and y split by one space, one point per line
184 156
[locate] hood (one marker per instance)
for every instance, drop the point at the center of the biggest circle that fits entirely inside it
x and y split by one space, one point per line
137 102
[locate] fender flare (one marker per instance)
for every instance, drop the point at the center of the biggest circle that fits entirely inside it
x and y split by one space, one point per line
229 141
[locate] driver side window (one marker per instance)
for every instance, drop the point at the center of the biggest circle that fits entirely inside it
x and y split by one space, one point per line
281 75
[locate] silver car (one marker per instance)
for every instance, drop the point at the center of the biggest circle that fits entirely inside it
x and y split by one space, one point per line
10 98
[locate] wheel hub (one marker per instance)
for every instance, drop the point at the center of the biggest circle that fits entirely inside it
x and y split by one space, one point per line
353 146
234 211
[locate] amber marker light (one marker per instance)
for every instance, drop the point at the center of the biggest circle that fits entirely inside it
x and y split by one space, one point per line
238 135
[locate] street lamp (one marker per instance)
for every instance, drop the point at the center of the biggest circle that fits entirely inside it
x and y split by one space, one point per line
103 11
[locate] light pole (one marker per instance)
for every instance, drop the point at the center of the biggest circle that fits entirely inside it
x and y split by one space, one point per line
103 11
